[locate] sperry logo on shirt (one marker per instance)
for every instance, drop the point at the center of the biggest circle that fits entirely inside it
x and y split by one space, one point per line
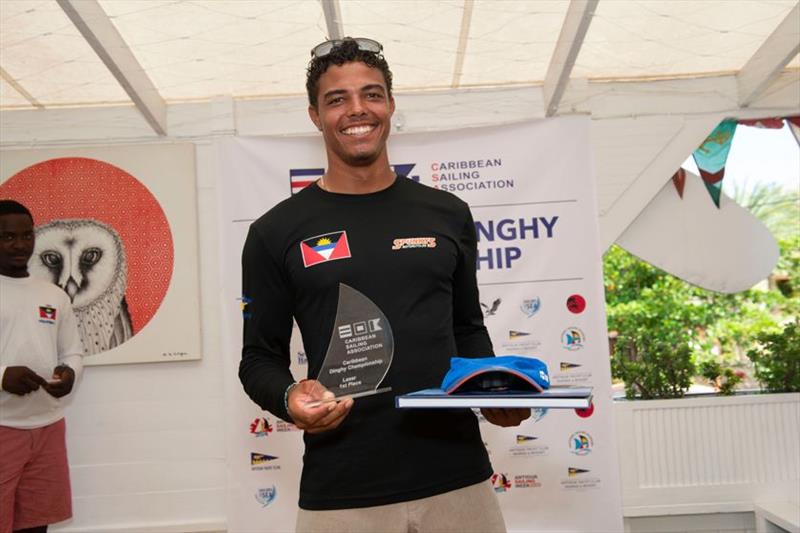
323 248
47 314
414 242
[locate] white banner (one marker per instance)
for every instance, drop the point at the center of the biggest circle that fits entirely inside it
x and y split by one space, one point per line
531 190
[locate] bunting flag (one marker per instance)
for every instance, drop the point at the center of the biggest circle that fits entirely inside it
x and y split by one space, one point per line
774 123
794 126
679 180
711 156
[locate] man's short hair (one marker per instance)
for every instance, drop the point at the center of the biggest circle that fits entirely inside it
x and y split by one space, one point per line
346 52
12 207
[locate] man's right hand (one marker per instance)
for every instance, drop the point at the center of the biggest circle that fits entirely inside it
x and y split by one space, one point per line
309 414
21 380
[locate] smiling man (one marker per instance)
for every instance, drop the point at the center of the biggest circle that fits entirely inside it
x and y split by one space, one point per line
40 356
368 466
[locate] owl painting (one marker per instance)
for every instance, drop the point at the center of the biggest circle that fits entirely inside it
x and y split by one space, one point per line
86 258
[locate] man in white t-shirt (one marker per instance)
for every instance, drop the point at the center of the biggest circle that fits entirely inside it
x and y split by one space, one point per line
40 359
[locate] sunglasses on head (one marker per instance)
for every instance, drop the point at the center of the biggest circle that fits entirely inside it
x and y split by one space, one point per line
364 44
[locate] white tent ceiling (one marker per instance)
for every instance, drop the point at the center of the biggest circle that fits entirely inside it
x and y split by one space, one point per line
656 76
198 49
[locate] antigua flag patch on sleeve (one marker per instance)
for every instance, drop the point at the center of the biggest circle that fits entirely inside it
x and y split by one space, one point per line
47 314
327 247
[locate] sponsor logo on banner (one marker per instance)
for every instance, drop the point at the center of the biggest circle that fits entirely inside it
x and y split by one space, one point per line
520 342
580 479
585 413
301 358
571 374
261 461
47 314
260 427
500 482
537 413
531 307
527 481
490 310
528 447
300 178
244 301
576 304
502 234
573 338
266 496
283 427
580 443
324 248
572 472
405 169
414 242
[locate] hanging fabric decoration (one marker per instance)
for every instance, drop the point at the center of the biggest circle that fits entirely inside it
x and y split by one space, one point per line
773 123
794 125
711 157
679 180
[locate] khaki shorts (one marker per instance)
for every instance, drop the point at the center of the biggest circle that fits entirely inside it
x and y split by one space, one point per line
34 477
471 509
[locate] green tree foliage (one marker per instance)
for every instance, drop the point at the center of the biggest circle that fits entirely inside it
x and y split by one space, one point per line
724 380
652 319
652 368
788 270
777 359
662 328
777 208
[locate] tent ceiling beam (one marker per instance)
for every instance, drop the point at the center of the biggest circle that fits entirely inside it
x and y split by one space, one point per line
101 34
573 31
463 38
769 60
333 18
19 88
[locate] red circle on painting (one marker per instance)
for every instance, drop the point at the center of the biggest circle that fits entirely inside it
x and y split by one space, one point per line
585 413
79 187
576 304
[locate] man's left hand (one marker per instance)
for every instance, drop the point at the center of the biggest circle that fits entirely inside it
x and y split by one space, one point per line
62 381
506 417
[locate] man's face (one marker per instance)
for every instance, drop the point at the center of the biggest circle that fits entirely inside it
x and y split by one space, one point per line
16 244
354 112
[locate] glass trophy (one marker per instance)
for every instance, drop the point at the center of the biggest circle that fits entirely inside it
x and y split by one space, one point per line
360 350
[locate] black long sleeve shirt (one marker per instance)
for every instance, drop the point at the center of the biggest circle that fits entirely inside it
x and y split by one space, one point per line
412 251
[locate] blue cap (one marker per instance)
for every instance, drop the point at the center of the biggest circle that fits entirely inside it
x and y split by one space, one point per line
507 372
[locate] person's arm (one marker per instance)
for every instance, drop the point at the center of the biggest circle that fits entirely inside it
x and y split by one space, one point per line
70 353
472 339
264 368
19 380
267 311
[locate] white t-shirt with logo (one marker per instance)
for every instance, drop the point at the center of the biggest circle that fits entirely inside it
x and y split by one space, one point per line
38 329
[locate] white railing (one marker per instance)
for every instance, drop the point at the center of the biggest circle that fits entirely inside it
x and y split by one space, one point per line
708 454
